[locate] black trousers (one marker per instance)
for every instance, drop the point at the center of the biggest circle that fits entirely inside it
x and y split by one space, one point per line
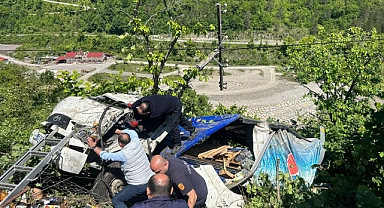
177 118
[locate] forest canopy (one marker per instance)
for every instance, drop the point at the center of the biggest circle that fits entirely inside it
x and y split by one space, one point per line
275 16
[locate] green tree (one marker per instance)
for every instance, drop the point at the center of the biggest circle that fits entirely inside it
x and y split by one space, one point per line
347 67
156 55
26 98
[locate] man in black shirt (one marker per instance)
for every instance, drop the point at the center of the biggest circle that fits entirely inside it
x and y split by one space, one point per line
187 183
152 110
158 191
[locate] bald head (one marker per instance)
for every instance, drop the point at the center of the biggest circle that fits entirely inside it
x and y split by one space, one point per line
159 164
124 139
159 185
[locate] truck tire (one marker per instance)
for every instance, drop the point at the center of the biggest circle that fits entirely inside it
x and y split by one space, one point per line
112 180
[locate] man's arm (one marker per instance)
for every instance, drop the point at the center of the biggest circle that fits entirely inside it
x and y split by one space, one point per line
115 156
185 186
192 197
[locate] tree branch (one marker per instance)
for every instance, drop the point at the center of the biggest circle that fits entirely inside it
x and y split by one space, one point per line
130 17
311 91
136 10
150 18
146 36
167 9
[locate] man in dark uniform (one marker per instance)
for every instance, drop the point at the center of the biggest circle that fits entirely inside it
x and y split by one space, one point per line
152 110
187 183
158 192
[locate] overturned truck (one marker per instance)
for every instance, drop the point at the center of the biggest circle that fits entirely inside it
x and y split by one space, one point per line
227 150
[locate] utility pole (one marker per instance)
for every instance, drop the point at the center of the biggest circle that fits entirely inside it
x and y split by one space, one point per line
220 38
200 66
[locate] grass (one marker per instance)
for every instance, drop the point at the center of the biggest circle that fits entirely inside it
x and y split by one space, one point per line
100 77
103 77
138 68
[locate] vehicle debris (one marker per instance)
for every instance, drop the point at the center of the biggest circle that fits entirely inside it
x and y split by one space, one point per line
227 150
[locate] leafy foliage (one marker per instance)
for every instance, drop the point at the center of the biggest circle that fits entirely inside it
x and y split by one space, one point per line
347 67
278 17
292 193
26 98
157 58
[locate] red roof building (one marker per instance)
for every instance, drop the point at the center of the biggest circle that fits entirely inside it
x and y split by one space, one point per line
82 57
60 58
3 59
70 54
95 55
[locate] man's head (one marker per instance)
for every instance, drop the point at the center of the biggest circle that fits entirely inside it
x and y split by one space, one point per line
143 108
159 164
159 185
124 139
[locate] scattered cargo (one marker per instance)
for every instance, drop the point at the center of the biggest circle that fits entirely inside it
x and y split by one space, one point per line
227 150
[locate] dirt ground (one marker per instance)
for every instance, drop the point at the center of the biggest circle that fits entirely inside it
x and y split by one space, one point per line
264 92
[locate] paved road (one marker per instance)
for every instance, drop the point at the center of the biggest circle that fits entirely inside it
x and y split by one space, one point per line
15 61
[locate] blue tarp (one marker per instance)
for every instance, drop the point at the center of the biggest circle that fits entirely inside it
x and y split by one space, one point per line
297 155
205 126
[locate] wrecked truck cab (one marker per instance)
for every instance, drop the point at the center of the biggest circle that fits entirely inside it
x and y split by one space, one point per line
93 117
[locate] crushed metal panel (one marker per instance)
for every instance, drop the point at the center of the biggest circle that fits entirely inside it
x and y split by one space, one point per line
126 98
77 143
86 111
70 160
218 194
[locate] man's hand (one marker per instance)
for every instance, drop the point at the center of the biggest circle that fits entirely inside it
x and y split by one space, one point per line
91 142
129 105
192 197
92 145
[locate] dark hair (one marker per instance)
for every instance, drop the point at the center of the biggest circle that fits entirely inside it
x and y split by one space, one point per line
146 107
159 189
124 138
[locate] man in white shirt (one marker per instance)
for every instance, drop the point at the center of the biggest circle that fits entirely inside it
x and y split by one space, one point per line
134 165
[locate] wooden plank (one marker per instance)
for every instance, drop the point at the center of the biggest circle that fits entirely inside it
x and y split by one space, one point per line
227 173
218 150
213 152
232 155
203 154
229 156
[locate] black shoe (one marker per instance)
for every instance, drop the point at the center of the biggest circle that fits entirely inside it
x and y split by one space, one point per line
176 148
192 135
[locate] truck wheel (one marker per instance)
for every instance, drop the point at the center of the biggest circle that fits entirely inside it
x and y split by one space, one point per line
112 179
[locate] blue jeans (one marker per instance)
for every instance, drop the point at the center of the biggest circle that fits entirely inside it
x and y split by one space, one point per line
128 193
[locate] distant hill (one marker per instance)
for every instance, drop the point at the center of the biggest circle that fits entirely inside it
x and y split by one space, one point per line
277 17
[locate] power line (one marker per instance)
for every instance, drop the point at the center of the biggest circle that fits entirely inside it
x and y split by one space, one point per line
254 46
